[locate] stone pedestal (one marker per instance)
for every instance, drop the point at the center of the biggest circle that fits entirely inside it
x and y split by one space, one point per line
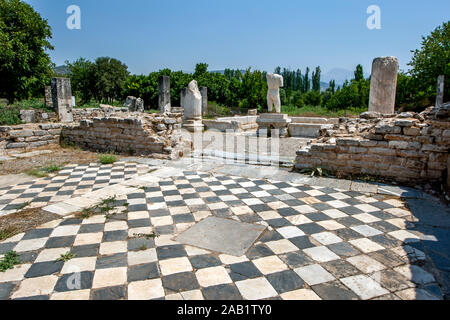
268 121
164 94
383 85
204 93
193 125
440 92
62 98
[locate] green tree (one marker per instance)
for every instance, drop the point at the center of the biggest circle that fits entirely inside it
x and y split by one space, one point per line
430 61
312 98
332 86
359 73
25 67
316 79
306 82
200 69
81 78
108 76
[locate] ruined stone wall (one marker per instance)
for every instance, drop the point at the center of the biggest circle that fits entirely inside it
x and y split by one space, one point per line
409 147
104 111
29 136
37 116
139 134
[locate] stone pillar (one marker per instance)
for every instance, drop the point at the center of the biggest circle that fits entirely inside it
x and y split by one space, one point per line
164 94
192 103
48 97
383 85
440 92
204 92
62 98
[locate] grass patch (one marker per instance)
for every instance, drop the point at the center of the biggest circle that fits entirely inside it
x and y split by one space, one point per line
319 111
107 158
9 116
66 256
10 113
217 110
9 261
44 172
7 233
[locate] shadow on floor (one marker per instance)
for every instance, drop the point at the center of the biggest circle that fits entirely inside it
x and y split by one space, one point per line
433 223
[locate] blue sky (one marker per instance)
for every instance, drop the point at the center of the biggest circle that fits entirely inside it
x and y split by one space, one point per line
149 35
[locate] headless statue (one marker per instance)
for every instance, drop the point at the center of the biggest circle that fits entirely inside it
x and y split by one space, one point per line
192 102
274 83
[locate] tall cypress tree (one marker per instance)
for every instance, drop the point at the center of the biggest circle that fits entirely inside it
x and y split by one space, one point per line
306 84
316 79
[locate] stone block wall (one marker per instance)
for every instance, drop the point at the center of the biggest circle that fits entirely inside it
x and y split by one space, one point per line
29 136
103 111
407 148
139 134
37 116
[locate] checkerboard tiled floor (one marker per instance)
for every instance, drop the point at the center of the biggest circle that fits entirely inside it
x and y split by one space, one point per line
321 243
72 181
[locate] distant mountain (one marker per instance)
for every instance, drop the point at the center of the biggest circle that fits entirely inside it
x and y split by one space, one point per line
62 70
324 85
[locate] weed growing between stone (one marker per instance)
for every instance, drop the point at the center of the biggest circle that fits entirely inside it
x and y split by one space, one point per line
107 158
9 261
44 172
66 256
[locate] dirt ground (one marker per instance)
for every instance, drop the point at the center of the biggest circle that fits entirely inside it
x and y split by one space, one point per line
59 156
23 221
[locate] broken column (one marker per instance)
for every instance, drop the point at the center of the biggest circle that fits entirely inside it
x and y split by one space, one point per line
204 93
440 92
62 98
164 94
383 85
48 97
192 104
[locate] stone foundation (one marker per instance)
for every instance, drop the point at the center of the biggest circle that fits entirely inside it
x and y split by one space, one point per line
408 147
29 136
141 134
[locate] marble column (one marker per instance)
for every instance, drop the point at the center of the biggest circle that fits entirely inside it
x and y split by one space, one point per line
62 98
164 94
204 93
383 85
